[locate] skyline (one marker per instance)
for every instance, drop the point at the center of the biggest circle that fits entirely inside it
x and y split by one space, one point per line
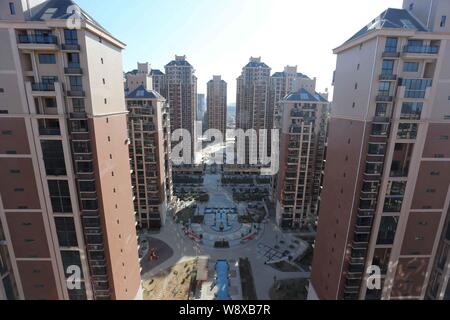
195 30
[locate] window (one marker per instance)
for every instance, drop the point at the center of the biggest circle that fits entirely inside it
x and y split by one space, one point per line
47 58
411 6
388 228
65 229
12 8
71 36
87 186
416 88
2 90
377 149
7 132
53 155
407 130
443 21
411 67
381 110
73 60
79 126
388 67
78 105
391 45
411 110
49 102
75 83
81 147
60 196
384 88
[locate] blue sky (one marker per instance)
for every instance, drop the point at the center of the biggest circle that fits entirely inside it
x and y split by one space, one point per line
219 36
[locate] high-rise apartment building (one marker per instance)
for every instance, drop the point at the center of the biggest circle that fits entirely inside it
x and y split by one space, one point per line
159 81
283 83
302 121
181 94
149 131
65 189
139 77
252 101
217 104
386 194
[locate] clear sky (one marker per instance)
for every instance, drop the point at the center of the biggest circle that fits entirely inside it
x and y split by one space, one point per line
219 36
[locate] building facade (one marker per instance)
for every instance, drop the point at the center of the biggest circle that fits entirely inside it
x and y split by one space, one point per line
149 130
386 190
65 192
252 102
217 104
142 76
181 93
302 122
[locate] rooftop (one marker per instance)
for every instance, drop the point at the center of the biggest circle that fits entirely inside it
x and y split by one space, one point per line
283 73
142 93
304 95
391 19
61 9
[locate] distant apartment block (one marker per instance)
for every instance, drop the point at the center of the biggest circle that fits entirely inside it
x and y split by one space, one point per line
302 121
386 192
149 131
180 92
139 77
217 104
65 188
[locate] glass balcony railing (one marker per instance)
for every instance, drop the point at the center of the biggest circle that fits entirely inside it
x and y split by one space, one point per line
39 86
38 39
421 49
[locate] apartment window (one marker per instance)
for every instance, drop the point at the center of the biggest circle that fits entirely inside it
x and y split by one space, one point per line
106 101
78 105
443 21
60 196
47 58
381 110
53 155
65 229
73 60
12 8
443 137
384 88
388 228
49 103
416 88
71 36
101 60
81 147
411 67
356 85
84 167
76 83
411 110
87 186
89 204
377 149
7 132
2 90
391 45
407 130
387 67
79 126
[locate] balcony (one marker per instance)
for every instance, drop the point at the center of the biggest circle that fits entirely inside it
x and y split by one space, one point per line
76 93
390 54
384 98
38 42
73 70
381 119
70 47
42 87
388 77
415 51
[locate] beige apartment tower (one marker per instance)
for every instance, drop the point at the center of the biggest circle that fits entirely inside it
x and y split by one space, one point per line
217 104
65 190
149 130
302 122
180 91
386 192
